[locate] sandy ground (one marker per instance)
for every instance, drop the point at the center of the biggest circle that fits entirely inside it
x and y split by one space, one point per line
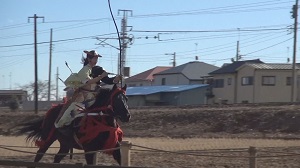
200 137
163 152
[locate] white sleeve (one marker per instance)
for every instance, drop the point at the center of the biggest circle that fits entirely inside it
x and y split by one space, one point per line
84 74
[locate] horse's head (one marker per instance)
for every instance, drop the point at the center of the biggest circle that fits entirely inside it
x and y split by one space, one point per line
118 102
114 101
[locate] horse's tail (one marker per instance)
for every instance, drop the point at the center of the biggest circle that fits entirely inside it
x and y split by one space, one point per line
34 128
42 129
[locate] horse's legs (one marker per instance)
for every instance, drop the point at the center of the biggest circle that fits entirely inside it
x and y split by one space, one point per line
89 158
63 151
117 154
42 150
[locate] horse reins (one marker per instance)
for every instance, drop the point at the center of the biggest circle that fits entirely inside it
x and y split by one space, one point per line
109 104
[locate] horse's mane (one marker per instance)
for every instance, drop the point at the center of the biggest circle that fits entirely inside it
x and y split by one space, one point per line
102 95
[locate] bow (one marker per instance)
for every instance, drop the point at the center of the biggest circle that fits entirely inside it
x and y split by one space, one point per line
120 49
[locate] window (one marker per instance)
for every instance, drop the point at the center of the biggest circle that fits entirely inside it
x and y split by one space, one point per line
247 80
163 81
268 80
229 80
289 81
218 83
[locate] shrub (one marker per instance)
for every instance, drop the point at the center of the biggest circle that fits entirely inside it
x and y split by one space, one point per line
13 104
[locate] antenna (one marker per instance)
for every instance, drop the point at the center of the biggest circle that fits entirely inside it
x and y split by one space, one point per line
68 66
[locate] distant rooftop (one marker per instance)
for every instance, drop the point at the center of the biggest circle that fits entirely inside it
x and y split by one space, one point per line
271 66
192 70
13 92
147 75
231 68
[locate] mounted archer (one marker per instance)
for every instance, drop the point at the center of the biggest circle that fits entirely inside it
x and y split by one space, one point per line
83 84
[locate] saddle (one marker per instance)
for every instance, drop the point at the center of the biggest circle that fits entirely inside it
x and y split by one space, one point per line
89 127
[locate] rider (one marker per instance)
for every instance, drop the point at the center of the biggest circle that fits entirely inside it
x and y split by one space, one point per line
84 84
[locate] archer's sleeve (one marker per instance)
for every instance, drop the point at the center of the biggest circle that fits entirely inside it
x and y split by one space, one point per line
84 74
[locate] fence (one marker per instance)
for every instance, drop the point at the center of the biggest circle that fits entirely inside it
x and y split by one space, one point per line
127 147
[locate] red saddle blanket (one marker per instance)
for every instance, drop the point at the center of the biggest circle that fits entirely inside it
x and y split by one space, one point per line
92 128
89 130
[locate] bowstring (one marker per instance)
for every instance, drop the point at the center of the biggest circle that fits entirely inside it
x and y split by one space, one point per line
120 49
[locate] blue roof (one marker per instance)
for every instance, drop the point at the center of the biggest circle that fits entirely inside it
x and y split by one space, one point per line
146 90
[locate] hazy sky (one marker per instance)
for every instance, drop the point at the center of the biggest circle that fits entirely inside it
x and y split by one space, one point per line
208 29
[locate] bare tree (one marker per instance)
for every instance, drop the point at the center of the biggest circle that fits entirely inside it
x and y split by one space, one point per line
42 90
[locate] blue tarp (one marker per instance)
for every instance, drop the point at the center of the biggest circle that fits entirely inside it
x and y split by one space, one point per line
146 90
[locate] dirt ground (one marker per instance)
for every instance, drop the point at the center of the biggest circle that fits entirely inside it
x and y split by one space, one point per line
252 121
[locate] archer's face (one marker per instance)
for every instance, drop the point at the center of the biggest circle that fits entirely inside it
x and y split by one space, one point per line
93 61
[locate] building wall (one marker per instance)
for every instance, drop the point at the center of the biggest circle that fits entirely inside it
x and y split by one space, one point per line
139 83
42 105
136 101
259 93
171 79
192 97
171 98
226 94
7 95
278 93
245 92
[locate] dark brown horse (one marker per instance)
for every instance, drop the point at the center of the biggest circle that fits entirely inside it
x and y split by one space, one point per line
96 128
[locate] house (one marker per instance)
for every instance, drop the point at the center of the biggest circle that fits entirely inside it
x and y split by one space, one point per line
261 83
253 82
7 95
175 95
186 74
225 81
145 78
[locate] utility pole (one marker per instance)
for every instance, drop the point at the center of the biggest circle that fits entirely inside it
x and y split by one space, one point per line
10 80
294 75
237 57
50 64
174 58
124 40
57 77
35 64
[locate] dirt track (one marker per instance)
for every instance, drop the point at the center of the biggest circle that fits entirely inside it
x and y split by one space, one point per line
238 121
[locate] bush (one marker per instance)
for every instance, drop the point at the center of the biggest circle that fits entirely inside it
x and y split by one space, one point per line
13 104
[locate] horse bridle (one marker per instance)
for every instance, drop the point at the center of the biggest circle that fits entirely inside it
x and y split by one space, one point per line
107 109
111 100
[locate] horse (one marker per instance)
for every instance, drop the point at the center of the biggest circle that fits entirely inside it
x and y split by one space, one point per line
96 129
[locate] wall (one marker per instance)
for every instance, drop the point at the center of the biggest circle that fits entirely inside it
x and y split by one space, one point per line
227 93
42 105
171 79
193 97
258 93
136 101
245 92
278 93
139 83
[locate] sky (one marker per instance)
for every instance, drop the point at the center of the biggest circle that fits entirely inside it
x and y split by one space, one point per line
208 29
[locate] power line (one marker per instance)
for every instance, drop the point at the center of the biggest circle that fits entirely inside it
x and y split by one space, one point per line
208 31
46 42
269 46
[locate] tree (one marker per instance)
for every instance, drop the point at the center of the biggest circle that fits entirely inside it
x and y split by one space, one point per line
13 103
42 90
